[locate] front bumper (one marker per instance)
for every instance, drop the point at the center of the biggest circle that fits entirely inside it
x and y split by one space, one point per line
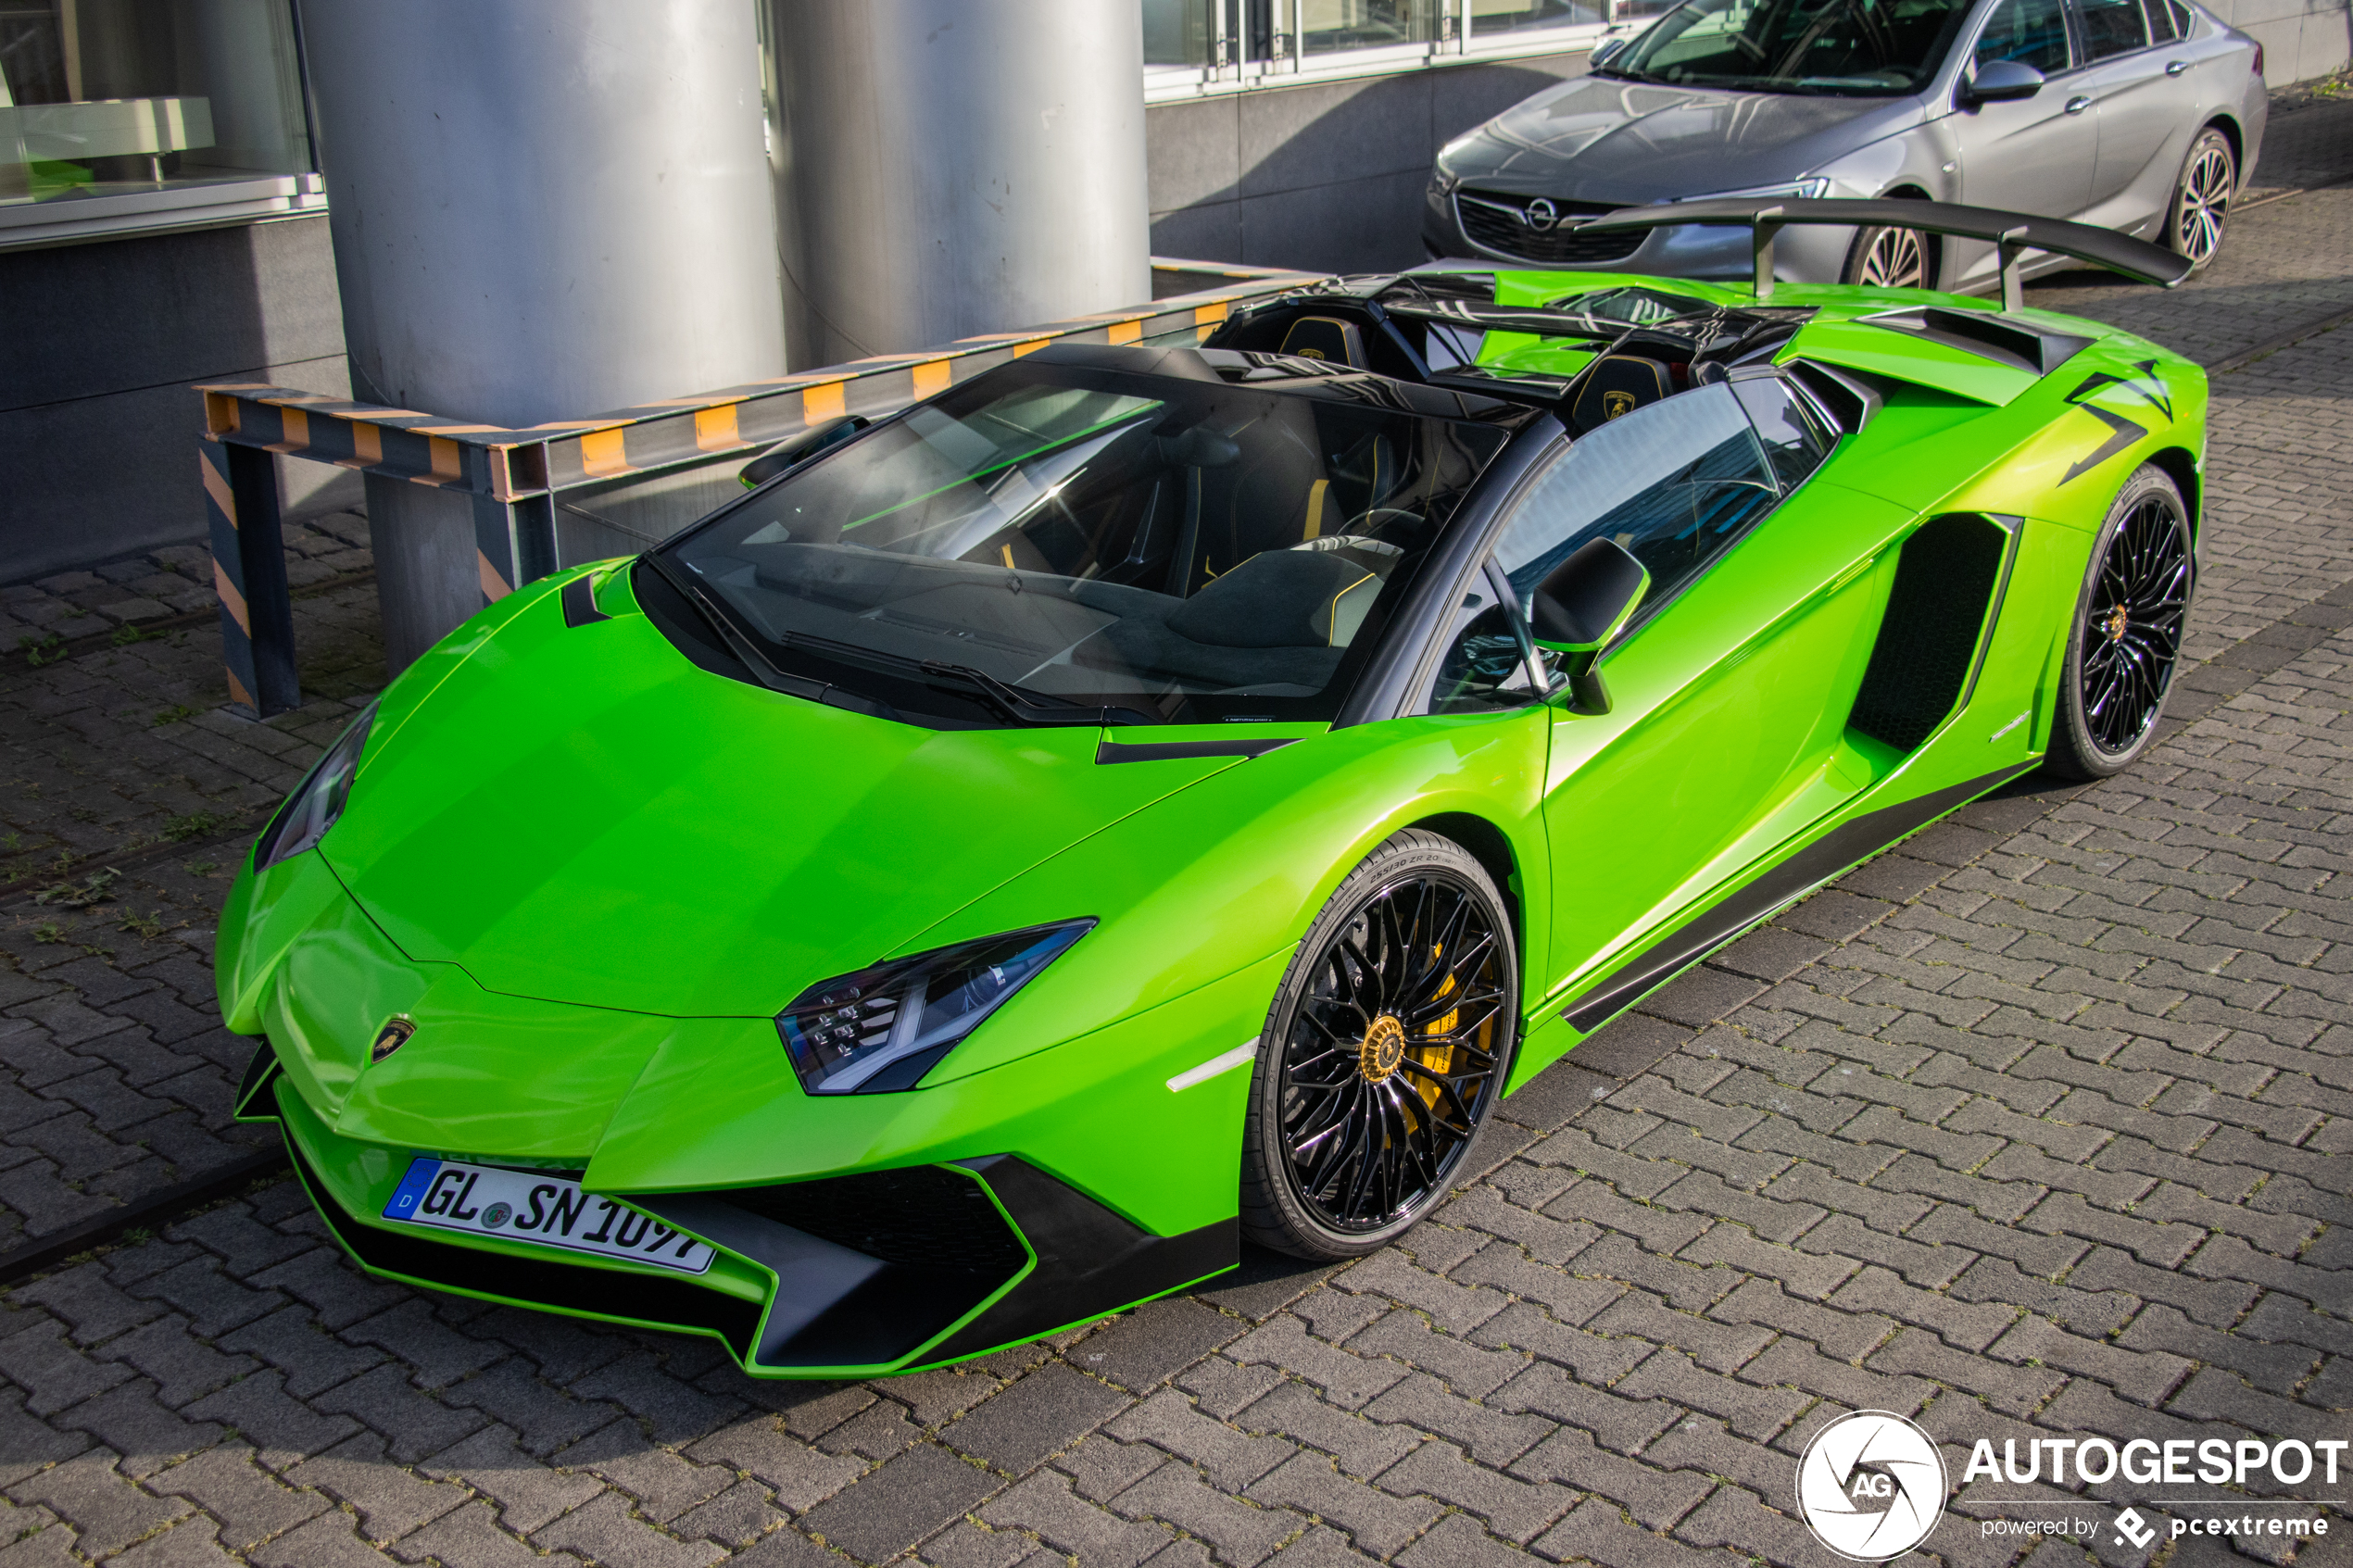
917 1266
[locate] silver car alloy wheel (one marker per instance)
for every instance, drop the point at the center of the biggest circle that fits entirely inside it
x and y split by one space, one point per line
2205 204
1896 259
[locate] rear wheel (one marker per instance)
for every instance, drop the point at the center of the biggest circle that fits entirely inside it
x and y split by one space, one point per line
2202 199
1384 1053
2127 638
1902 258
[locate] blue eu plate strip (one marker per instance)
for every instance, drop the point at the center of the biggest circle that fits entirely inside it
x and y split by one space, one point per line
412 1188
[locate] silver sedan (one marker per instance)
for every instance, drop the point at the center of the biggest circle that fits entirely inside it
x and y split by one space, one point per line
2142 115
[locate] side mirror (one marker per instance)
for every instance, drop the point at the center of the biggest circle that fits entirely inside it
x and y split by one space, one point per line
1579 609
1605 51
2000 81
799 449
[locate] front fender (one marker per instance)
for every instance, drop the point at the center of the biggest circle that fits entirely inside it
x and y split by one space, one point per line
1233 870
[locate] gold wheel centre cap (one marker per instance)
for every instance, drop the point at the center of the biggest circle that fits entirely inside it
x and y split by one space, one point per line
2117 621
1383 1049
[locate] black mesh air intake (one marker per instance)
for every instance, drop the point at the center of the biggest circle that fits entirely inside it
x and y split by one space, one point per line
926 1216
1927 645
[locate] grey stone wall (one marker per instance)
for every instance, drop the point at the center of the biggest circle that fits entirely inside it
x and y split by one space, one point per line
1327 176
98 424
2301 39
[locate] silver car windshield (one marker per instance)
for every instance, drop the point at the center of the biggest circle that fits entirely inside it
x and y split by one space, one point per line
1866 47
1177 550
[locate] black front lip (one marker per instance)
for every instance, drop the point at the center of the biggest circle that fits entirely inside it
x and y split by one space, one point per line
833 1307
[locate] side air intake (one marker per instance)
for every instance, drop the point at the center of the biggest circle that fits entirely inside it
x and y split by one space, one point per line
1947 584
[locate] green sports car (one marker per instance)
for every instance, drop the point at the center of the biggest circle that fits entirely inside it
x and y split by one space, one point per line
1142 798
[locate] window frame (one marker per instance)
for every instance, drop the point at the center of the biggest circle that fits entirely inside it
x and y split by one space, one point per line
1976 35
1652 608
2080 32
191 204
1459 41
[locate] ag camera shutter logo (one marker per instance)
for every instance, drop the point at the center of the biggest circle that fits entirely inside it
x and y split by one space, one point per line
1872 1486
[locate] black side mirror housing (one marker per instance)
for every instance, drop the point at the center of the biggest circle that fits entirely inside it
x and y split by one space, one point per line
2000 81
1578 611
799 449
1605 51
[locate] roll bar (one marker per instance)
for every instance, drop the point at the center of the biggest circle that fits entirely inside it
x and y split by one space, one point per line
2010 233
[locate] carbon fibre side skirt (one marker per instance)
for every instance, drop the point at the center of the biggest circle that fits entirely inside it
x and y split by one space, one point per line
1843 847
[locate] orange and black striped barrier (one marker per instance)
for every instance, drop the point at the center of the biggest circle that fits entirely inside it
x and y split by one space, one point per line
514 476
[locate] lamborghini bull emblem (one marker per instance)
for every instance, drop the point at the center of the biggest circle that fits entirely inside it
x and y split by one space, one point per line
1617 403
390 1038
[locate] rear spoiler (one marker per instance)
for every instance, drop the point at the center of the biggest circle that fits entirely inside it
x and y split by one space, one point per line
2010 233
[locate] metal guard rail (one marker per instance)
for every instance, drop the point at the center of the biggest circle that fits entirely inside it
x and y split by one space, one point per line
514 476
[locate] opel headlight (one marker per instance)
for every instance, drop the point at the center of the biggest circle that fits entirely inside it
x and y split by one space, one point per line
312 808
883 1028
1812 188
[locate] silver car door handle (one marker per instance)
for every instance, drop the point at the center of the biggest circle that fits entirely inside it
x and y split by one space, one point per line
2077 105
2175 67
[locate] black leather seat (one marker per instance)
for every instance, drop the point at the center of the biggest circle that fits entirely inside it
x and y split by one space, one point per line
1619 384
1327 338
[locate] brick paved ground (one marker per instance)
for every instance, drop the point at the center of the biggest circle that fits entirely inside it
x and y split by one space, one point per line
2036 1128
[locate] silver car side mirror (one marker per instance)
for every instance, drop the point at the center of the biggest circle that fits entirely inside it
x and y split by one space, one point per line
2000 81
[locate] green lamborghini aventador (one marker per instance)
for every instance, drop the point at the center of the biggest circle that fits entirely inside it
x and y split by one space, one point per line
1141 799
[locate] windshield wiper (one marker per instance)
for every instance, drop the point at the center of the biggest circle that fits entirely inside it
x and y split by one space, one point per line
748 653
1024 705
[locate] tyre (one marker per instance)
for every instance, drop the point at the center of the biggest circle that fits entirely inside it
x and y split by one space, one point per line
2202 199
1383 1055
1903 258
2126 640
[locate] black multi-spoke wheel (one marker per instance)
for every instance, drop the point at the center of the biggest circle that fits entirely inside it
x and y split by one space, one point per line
2127 638
2202 199
1384 1052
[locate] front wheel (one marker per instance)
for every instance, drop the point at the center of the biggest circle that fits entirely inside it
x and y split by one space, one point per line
1383 1055
2127 638
2202 200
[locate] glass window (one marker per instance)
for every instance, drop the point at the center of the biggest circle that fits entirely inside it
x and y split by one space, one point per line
1194 550
1485 667
1492 18
2158 14
104 97
2032 32
1675 483
1328 26
1794 442
1833 47
2111 28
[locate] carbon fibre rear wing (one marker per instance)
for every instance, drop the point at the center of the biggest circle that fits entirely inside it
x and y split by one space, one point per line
2011 233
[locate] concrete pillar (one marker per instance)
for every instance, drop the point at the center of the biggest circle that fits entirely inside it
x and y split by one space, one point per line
958 168
542 209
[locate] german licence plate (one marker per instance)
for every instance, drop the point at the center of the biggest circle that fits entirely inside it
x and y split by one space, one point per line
536 1206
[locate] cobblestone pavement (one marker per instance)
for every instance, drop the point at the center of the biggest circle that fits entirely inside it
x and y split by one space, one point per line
2036 1128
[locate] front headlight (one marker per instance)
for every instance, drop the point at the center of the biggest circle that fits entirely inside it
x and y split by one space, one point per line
316 802
1812 188
883 1028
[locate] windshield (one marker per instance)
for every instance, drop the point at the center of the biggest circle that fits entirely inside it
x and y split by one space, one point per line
1881 47
1050 540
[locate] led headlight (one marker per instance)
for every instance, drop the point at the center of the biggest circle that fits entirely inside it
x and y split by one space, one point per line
1810 189
312 808
883 1028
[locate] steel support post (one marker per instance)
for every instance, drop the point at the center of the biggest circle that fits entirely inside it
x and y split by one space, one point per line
250 574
